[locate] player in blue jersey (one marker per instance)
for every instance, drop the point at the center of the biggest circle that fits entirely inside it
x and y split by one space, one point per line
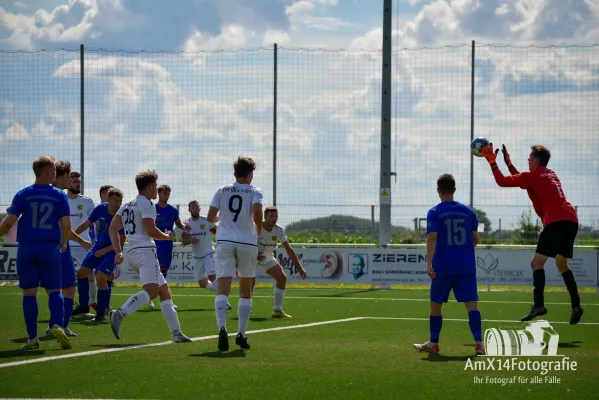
452 231
167 216
43 231
101 257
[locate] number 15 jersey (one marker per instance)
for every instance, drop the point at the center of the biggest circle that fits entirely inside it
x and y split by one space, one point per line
454 223
133 213
234 202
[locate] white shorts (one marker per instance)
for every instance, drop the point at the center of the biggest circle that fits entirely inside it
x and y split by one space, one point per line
78 254
268 263
230 255
144 261
204 266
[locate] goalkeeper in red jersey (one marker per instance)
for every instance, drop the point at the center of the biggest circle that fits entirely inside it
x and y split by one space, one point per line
560 222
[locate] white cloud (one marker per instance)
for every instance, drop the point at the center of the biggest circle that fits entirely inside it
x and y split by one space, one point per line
19 4
275 36
15 132
300 14
231 37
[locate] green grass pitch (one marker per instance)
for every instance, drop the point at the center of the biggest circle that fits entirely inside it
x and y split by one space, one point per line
364 352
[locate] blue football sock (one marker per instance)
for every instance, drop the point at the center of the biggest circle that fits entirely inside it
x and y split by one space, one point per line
110 285
83 290
103 301
68 310
435 328
475 322
56 306
30 313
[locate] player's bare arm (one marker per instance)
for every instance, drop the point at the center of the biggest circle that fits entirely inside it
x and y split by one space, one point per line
431 245
66 232
181 225
475 238
84 243
113 231
7 224
154 232
257 214
291 253
212 215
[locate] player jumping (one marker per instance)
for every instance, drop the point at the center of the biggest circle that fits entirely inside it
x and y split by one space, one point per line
138 218
452 230
560 222
271 235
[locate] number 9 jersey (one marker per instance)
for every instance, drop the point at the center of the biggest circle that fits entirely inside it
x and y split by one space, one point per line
234 202
133 213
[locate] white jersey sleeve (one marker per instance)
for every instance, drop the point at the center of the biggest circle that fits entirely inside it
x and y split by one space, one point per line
234 203
80 208
133 214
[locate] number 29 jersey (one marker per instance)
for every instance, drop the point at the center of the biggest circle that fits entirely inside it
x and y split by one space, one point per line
234 202
133 213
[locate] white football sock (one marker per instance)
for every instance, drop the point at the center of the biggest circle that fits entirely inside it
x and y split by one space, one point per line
279 297
170 315
135 302
210 286
93 292
220 307
244 310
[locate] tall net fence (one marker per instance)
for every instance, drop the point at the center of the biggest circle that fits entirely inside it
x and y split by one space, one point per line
189 115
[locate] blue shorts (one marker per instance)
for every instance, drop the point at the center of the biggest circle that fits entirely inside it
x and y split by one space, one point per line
39 264
164 251
69 273
103 264
464 288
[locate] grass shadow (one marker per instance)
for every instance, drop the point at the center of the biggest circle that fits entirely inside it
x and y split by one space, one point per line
195 309
570 345
115 345
436 357
353 292
20 352
217 354
253 319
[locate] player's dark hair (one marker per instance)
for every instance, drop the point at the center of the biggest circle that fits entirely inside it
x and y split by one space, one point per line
541 153
446 183
40 163
105 188
162 188
270 209
63 167
145 178
243 166
115 192
75 174
193 201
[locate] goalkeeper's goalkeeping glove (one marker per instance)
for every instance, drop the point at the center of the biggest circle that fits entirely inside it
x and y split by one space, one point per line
506 156
489 154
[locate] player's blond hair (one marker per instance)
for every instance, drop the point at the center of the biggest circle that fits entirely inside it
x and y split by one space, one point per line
63 167
41 163
270 209
115 192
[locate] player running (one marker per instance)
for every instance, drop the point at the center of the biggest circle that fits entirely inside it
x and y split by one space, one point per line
271 235
560 222
452 230
101 257
238 206
138 219
42 235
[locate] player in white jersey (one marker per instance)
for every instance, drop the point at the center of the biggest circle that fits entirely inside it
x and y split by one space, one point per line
81 208
271 235
199 236
238 207
138 218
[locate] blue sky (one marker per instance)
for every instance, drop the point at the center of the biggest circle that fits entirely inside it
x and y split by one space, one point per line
189 114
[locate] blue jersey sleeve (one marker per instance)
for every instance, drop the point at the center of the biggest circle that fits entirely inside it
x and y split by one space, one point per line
93 217
432 223
474 221
63 206
16 207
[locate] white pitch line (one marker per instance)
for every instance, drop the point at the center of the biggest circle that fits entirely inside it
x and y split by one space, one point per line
351 298
141 346
465 320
